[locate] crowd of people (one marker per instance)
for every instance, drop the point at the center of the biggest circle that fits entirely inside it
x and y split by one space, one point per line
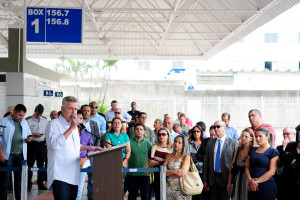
234 165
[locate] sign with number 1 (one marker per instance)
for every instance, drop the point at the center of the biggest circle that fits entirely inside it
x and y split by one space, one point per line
54 25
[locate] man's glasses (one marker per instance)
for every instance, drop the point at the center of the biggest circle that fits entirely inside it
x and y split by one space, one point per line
161 134
218 126
94 107
117 113
198 131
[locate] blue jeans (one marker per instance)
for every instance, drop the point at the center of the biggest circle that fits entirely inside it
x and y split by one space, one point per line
136 182
64 191
15 160
81 184
90 181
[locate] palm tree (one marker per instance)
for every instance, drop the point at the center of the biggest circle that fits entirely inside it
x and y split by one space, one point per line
77 66
108 65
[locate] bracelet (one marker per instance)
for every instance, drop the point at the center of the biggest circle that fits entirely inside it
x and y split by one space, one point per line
126 159
256 181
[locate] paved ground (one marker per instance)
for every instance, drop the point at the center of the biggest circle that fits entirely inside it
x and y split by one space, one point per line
36 194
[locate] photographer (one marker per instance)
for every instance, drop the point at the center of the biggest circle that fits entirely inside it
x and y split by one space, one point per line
291 162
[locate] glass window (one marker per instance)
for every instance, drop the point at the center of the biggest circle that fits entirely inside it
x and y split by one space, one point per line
271 37
144 65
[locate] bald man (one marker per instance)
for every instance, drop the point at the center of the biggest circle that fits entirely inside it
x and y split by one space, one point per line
218 158
168 123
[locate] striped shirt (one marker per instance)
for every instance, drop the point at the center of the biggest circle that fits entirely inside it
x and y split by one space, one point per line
159 154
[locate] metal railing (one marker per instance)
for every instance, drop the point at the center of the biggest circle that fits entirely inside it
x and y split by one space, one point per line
25 169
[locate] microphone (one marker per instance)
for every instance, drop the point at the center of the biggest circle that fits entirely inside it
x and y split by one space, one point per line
81 126
74 117
2 126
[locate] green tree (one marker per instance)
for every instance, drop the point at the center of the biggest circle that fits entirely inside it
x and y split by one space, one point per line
108 65
73 66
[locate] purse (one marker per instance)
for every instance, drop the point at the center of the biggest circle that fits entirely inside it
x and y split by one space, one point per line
191 183
151 174
235 169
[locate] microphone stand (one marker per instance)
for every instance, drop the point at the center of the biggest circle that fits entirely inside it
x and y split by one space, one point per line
96 136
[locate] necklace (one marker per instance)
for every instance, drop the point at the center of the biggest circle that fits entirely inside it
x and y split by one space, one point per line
176 156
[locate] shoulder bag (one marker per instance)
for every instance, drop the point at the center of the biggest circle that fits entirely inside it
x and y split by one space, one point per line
191 183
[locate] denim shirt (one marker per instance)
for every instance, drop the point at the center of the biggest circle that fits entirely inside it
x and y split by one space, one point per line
6 139
100 121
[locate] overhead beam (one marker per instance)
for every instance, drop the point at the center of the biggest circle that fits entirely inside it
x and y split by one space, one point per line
149 10
108 21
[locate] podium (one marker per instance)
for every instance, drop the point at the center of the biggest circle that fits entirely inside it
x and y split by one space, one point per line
108 173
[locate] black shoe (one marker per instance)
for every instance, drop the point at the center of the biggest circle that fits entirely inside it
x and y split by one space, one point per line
42 187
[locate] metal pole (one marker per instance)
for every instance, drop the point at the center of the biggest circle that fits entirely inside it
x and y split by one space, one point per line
13 184
24 182
162 174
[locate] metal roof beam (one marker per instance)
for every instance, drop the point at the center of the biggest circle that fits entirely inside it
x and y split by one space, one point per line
179 11
174 22
154 32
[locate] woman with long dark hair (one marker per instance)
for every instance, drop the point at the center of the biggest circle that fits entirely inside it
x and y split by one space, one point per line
261 166
194 145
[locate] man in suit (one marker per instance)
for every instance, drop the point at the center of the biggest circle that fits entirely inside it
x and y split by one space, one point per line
202 149
93 128
200 155
219 155
289 135
291 162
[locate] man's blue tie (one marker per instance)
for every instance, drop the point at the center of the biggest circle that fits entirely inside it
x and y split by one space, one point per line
218 156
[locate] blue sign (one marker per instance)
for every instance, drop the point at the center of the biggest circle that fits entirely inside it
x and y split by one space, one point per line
54 25
59 94
190 87
48 93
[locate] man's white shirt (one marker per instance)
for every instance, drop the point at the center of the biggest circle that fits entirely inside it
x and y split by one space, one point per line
63 155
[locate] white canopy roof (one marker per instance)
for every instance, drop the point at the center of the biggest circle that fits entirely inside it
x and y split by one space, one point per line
148 29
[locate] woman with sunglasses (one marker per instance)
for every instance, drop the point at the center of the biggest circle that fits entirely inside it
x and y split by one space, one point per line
178 163
238 164
116 136
159 152
194 145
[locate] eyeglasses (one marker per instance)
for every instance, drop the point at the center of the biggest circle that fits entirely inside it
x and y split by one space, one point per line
117 113
198 131
94 107
161 134
218 126
286 133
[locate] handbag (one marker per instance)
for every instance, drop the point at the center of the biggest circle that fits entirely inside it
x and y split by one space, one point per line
235 169
151 174
191 183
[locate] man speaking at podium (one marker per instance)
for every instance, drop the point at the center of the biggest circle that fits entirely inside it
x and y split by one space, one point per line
64 148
